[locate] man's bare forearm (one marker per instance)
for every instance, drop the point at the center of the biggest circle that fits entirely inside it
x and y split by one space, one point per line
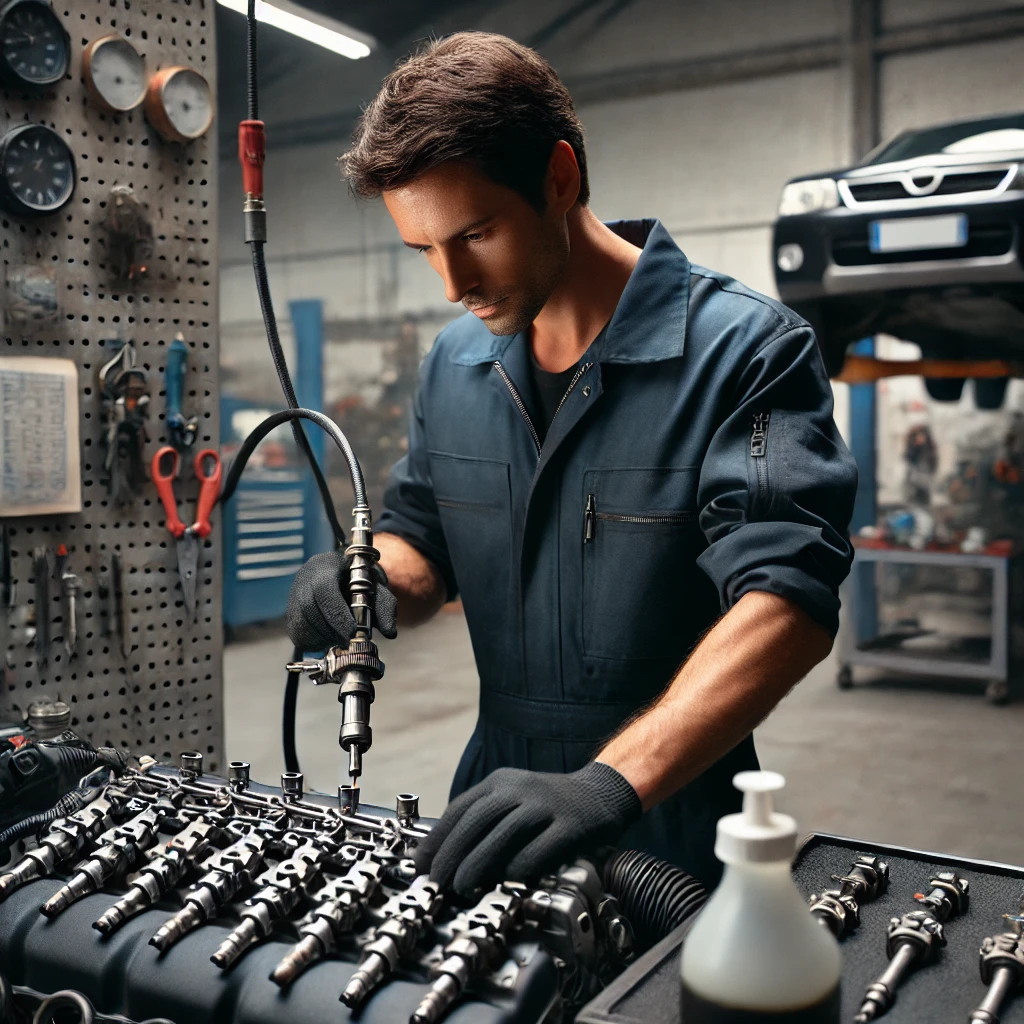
742 668
412 578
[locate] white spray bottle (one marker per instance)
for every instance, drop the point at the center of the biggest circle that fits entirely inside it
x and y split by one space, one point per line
755 953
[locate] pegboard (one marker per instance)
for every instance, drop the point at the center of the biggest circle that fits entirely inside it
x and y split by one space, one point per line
164 694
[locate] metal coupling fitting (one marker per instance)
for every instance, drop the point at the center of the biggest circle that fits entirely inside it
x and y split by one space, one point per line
348 799
407 808
292 785
238 775
190 766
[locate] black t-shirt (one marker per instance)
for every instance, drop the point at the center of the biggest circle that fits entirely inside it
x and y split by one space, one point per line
548 391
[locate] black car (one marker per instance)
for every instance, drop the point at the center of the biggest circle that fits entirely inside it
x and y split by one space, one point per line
921 240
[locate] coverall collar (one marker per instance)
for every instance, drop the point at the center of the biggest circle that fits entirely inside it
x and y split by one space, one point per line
649 322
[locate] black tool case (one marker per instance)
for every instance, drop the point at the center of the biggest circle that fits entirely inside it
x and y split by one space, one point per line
944 992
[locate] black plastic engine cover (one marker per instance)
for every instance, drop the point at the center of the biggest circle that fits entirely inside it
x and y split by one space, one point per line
123 974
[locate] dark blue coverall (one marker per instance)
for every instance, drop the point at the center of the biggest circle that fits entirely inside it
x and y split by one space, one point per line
694 458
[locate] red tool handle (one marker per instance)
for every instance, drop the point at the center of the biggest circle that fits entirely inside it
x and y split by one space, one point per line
165 488
208 472
252 151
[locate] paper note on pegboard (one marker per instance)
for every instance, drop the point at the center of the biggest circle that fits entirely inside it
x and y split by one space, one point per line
40 466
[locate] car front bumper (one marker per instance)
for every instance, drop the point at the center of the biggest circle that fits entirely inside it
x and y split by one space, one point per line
837 260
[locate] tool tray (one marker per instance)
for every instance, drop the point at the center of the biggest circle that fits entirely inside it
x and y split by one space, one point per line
944 992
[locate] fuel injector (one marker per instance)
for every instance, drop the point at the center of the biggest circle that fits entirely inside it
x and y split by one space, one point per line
915 939
839 909
356 667
478 941
281 889
168 863
1001 962
67 836
227 872
405 915
338 906
120 849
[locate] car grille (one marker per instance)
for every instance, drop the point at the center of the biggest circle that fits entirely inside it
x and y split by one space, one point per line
954 183
982 240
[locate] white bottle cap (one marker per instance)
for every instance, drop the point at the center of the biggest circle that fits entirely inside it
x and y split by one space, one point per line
759 834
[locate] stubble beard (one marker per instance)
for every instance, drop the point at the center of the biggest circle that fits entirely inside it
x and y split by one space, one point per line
551 258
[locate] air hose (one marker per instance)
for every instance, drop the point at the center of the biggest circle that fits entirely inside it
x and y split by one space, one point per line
655 896
252 152
291 687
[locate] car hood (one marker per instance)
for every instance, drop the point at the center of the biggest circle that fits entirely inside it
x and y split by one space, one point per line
932 160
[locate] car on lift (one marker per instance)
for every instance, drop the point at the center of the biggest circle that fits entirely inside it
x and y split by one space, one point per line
922 239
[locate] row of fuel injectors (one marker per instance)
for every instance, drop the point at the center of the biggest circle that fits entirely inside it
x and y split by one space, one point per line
916 937
340 882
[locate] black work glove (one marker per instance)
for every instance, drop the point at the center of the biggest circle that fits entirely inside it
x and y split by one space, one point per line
318 613
517 825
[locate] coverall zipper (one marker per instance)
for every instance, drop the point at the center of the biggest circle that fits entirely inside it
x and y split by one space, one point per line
759 450
521 406
591 516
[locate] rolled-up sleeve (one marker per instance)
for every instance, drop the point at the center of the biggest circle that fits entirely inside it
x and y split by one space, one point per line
410 510
776 510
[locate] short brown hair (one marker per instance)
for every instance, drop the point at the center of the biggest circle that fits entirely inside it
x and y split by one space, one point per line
474 97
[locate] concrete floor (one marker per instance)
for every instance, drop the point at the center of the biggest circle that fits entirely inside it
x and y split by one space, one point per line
892 761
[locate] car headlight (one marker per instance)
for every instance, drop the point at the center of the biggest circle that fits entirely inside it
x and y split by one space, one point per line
808 197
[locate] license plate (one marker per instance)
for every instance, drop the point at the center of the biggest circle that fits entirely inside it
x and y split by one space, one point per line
945 232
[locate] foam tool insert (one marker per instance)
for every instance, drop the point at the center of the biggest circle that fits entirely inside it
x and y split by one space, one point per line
943 992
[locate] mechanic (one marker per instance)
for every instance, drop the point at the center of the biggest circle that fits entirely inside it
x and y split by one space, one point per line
622 462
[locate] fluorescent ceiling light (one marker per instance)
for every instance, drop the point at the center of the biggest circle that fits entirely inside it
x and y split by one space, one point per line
316 28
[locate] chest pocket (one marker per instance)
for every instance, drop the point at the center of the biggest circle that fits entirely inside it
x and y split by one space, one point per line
473 501
644 597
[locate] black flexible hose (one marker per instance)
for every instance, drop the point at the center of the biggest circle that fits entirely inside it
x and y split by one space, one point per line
251 64
655 896
291 700
281 366
67 804
275 420
259 266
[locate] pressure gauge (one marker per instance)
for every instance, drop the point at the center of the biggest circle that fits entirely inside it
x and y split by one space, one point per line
115 73
37 171
179 104
35 51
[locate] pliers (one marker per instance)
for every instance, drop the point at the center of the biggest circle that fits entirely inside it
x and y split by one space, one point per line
208 471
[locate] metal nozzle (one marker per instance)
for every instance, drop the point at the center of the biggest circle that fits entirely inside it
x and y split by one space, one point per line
355 763
238 775
80 885
132 903
292 785
28 870
245 935
366 978
175 928
436 1003
306 952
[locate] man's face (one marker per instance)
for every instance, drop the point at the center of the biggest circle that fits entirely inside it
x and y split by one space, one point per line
495 253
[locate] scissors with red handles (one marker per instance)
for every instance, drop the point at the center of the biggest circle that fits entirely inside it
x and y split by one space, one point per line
208 471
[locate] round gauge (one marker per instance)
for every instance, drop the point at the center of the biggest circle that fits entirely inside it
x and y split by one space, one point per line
115 73
37 171
179 104
35 51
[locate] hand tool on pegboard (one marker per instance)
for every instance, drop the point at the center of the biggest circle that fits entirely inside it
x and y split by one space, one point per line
181 430
207 466
41 634
124 395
